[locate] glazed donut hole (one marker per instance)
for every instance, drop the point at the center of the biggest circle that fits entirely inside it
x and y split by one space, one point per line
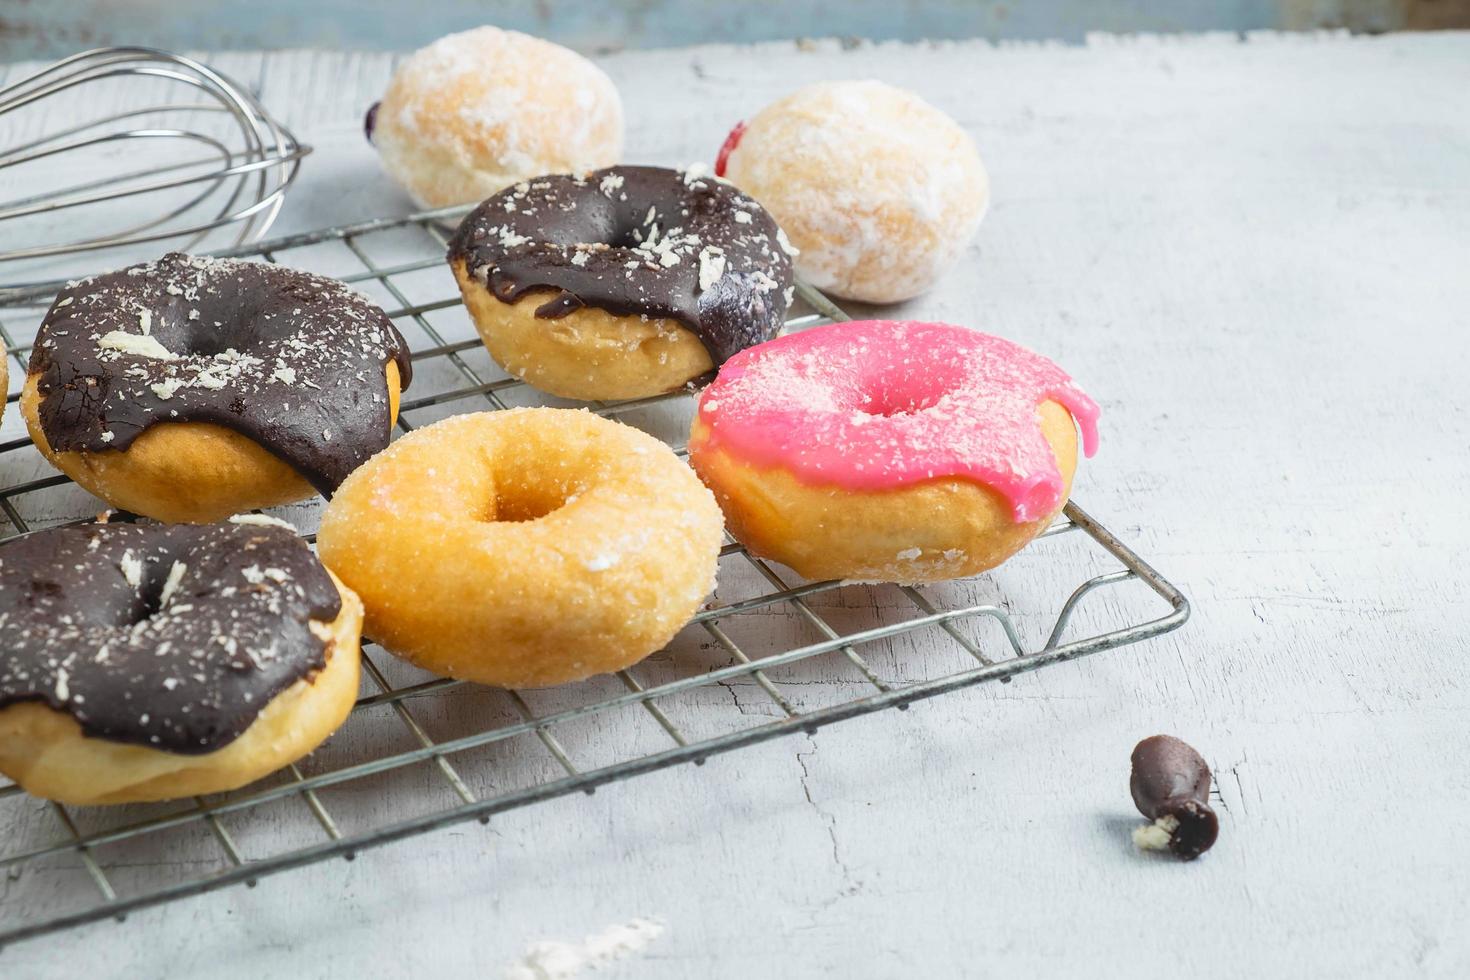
880 393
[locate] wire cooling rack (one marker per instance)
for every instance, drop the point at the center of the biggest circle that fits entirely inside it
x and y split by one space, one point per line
769 655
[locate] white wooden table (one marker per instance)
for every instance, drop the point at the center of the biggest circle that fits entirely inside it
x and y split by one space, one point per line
1257 256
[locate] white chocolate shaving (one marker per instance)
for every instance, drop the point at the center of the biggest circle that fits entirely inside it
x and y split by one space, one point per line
132 569
263 520
171 584
131 343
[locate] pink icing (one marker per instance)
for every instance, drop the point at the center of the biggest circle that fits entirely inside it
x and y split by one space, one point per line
877 404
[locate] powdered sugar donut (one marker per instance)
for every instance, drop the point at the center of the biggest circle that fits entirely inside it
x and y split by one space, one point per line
890 451
878 189
480 110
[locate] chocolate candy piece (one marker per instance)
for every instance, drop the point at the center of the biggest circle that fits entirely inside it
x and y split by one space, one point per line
1171 786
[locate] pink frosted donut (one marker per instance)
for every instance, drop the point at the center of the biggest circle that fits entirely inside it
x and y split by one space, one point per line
890 451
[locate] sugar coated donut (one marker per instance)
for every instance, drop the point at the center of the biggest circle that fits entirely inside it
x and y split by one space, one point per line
479 110
189 389
153 662
890 451
627 282
524 547
879 190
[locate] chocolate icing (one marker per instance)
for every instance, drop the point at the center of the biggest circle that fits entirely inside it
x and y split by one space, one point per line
291 360
1171 780
639 241
98 621
370 121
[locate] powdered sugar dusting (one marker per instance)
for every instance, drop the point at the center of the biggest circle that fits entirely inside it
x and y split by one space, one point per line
876 404
876 233
476 111
558 960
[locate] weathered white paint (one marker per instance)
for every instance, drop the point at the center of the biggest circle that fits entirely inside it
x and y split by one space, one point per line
1255 255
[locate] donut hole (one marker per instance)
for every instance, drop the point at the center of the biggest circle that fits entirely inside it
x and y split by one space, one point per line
147 603
625 236
922 382
199 339
890 404
201 343
147 606
522 501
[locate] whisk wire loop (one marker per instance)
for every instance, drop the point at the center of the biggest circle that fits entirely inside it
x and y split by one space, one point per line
237 175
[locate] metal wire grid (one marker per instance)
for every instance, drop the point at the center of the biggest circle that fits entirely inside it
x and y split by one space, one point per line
808 638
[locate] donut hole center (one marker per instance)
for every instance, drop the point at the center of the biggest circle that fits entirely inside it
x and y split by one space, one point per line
199 343
148 603
523 502
888 404
198 339
625 237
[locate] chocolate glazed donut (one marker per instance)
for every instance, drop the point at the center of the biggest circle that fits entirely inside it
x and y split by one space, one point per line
302 367
627 282
93 627
169 640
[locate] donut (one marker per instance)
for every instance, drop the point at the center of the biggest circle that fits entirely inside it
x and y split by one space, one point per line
623 283
477 111
890 451
524 547
189 388
142 663
879 190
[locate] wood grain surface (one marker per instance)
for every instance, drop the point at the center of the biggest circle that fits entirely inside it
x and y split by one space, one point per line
1256 255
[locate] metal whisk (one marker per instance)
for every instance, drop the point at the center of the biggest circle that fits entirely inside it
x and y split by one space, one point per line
157 163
